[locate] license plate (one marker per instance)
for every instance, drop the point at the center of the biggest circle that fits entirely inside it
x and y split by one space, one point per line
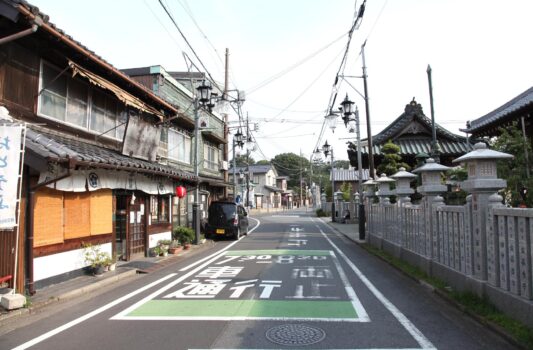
220 231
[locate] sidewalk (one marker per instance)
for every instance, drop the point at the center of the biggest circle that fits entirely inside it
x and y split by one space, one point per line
85 284
349 230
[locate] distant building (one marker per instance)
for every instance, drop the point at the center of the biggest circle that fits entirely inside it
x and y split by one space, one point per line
412 132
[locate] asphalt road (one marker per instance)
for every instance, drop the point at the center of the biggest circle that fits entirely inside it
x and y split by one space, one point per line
292 283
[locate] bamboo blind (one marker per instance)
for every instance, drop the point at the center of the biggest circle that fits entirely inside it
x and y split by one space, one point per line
48 219
77 214
101 212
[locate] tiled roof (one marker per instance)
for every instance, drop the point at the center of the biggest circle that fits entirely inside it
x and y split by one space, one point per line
256 169
340 175
273 189
62 148
413 112
416 146
525 99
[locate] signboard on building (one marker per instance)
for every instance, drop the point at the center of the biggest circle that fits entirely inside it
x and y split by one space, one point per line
10 154
141 139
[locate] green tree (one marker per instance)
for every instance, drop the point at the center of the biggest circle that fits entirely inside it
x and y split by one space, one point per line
262 162
392 161
346 189
292 165
512 141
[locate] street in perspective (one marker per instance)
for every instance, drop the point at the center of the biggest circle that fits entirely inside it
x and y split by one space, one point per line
294 281
245 174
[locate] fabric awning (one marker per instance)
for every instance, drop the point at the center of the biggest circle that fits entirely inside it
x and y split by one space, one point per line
121 94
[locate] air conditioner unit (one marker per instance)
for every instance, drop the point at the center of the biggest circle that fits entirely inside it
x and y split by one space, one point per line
223 165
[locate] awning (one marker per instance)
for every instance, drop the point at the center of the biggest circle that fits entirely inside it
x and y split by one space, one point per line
121 94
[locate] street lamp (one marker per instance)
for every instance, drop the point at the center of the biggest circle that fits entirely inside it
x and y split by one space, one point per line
237 142
327 149
351 121
203 99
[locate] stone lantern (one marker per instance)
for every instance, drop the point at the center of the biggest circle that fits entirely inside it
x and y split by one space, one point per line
482 183
431 188
431 180
384 190
403 184
370 188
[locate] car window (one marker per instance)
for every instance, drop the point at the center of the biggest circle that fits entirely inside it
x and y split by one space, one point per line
218 209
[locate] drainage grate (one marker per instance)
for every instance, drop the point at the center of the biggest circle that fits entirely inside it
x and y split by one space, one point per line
295 335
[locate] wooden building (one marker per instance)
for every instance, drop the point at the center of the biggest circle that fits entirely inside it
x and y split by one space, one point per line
94 168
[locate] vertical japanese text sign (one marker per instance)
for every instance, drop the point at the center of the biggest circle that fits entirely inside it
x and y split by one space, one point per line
10 143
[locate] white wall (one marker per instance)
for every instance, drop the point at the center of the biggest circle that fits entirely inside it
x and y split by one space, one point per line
153 239
57 264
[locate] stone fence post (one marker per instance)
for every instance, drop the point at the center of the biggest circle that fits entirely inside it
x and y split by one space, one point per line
431 188
482 183
403 190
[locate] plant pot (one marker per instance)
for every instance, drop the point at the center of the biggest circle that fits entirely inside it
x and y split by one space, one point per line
98 270
112 267
186 246
175 250
164 253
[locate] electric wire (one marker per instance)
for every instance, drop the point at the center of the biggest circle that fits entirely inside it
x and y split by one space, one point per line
188 43
290 68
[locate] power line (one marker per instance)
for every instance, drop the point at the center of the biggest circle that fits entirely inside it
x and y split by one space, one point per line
290 68
187 42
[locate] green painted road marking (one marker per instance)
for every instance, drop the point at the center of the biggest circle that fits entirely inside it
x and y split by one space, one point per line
278 252
246 308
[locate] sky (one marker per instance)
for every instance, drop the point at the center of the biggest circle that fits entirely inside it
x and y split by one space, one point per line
285 54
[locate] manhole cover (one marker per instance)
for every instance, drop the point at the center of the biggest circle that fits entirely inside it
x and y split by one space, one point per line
295 335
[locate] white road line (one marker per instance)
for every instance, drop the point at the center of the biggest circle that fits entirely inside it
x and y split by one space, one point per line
356 303
79 320
122 315
404 321
216 253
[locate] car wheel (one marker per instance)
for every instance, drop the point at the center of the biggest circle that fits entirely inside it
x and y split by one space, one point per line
237 234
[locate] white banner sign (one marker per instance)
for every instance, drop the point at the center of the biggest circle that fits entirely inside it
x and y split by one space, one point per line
10 141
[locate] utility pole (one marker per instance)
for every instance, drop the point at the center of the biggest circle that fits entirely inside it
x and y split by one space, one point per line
247 163
226 128
301 180
367 110
434 148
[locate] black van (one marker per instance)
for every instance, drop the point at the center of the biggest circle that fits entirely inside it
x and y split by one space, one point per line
226 219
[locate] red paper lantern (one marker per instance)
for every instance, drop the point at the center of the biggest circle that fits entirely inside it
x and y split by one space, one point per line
181 191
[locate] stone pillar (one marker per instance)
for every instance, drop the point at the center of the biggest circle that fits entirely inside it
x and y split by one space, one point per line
431 188
403 190
482 183
369 194
384 192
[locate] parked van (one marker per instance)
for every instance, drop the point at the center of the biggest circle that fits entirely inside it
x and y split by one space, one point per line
226 219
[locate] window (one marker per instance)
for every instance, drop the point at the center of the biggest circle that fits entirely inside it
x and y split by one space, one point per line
211 156
77 103
179 145
159 209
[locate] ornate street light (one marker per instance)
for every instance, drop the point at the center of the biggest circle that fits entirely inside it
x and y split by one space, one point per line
351 121
204 90
331 119
204 99
326 148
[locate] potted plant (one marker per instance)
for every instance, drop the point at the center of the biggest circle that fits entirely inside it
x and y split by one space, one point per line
186 242
184 235
174 247
95 258
113 262
165 243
